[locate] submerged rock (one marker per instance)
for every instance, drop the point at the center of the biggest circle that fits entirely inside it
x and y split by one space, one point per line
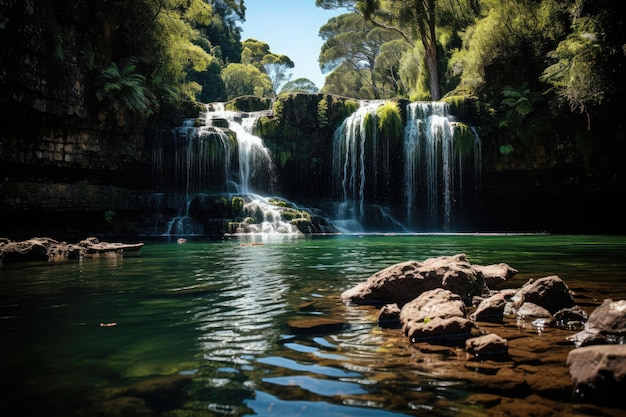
315 325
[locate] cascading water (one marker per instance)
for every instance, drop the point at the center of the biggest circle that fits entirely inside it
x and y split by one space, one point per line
351 141
436 162
204 157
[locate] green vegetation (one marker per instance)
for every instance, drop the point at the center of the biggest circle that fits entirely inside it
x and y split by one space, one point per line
521 63
389 121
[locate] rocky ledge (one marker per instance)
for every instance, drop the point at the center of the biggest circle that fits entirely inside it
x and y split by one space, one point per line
448 304
47 249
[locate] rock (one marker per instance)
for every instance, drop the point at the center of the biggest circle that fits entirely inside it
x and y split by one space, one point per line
35 249
599 374
549 292
495 276
315 325
606 324
487 346
490 309
389 317
46 249
440 329
572 314
162 394
532 310
402 282
435 314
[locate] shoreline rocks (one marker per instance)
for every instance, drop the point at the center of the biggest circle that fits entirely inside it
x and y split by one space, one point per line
48 249
446 301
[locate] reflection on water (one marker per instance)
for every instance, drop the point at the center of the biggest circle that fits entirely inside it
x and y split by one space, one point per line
78 336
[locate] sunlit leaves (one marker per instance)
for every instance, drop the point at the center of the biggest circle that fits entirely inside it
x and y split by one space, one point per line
576 73
243 79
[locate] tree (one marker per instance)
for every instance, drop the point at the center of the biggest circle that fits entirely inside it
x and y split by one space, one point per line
277 67
299 85
354 45
258 54
245 79
415 21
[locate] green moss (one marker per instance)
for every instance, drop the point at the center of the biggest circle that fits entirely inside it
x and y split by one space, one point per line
237 205
464 139
390 121
322 113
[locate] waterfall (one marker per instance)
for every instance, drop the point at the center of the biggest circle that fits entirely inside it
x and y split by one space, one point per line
220 155
254 159
436 165
355 145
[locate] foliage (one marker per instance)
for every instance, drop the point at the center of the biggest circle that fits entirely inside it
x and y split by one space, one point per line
242 79
299 85
125 89
580 74
360 57
520 112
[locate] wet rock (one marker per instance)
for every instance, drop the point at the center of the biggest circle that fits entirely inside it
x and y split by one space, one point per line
435 315
487 346
315 325
35 249
47 249
124 406
490 309
162 393
549 292
497 275
403 282
532 310
599 373
606 324
570 317
441 329
389 317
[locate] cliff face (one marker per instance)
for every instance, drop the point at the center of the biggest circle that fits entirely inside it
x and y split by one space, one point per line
60 149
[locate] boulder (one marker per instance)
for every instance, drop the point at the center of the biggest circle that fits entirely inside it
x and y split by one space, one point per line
606 324
402 282
490 309
488 346
496 275
599 374
549 292
531 310
435 314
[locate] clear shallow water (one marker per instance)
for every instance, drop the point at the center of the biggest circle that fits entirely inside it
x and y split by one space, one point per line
75 335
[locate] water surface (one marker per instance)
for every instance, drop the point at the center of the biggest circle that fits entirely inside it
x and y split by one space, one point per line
76 337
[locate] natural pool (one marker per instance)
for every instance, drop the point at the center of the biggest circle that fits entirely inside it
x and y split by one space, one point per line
200 328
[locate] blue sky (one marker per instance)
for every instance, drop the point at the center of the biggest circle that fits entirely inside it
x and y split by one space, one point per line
290 27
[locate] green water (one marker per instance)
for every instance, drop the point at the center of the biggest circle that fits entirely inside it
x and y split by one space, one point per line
76 335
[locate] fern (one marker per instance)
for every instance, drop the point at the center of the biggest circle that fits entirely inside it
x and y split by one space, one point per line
125 89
